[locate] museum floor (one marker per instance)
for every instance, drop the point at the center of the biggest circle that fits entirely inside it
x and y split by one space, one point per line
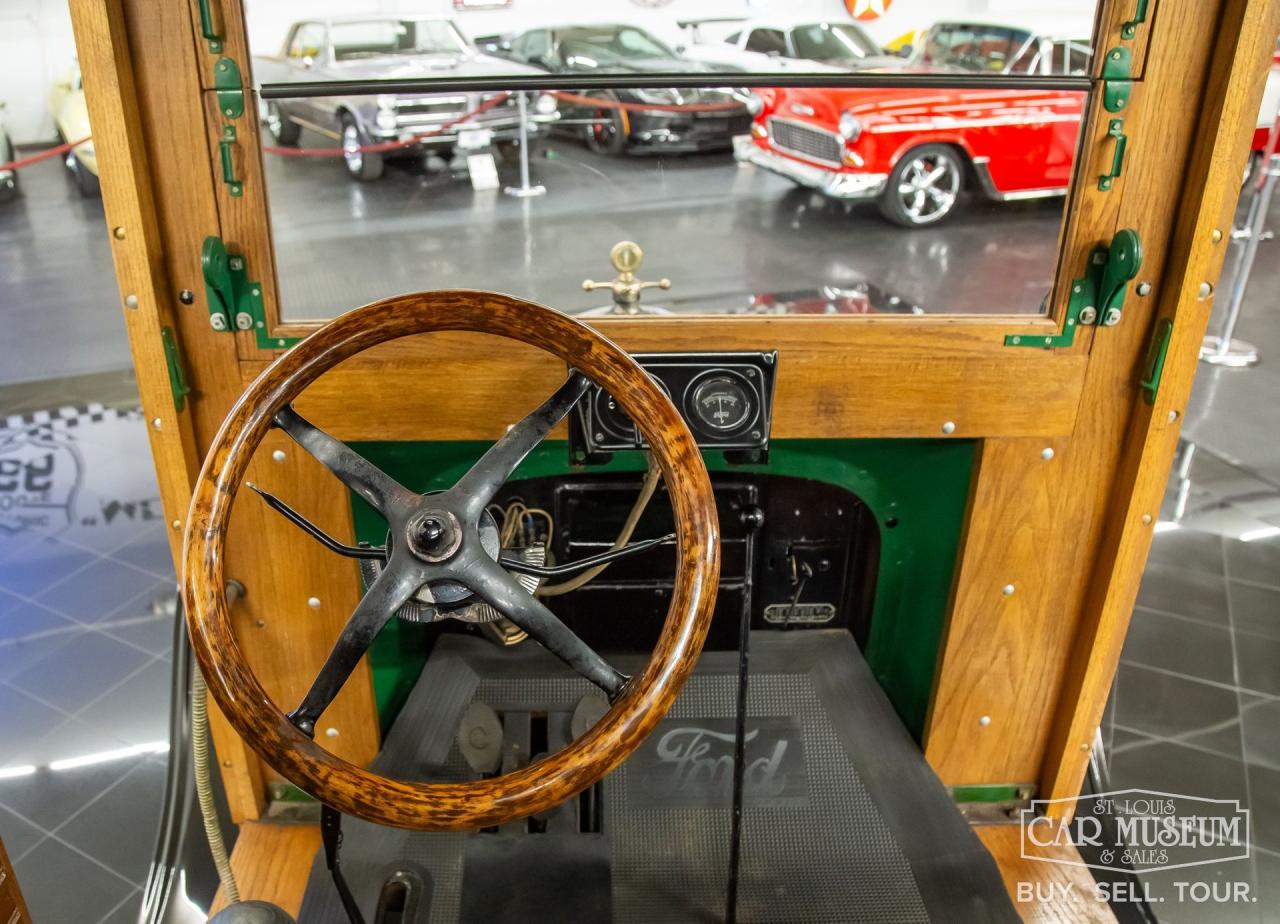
86 600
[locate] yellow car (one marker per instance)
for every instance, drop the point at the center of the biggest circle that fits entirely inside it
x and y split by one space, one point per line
71 118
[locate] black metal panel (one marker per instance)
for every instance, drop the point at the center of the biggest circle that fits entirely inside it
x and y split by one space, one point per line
725 398
771 527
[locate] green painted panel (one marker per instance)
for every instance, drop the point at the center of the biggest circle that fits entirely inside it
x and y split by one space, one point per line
917 490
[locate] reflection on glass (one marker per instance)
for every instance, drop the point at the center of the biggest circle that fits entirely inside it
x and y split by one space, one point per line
749 198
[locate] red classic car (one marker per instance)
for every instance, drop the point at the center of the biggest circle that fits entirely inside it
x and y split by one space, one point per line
914 150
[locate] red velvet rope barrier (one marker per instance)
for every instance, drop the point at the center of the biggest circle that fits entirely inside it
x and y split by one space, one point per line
43 155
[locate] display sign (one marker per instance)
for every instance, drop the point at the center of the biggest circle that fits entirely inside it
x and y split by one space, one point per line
867 10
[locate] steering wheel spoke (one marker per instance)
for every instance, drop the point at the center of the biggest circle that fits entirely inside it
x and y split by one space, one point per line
476 489
383 492
397 582
500 590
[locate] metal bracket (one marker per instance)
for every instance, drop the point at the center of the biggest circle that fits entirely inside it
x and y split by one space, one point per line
1117 78
1116 131
996 803
177 374
229 88
1098 296
235 302
207 29
234 186
1130 28
1153 368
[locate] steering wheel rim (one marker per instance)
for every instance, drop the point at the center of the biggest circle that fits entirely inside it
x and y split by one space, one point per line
641 704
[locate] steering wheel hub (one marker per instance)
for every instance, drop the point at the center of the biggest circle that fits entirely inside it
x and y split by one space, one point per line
434 534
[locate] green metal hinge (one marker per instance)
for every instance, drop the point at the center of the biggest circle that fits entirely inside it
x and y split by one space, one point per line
235 301
1117 78
1153 368
177 374
1130 28
234 186
1098 296
997 803
991 792
229 88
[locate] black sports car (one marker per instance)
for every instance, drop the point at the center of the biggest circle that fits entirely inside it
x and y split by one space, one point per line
633 119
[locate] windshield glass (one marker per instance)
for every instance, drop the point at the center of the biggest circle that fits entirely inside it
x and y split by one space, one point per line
375 38
973 48
825 42
611 45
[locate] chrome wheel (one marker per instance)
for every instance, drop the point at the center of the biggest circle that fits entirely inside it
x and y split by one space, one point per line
351 152
928 187
274 122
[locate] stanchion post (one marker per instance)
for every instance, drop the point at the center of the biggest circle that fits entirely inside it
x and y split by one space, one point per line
524 190
1223 349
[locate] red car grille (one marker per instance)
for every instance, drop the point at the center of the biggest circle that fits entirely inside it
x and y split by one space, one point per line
813 143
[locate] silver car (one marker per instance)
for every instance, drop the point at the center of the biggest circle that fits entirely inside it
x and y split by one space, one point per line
389 48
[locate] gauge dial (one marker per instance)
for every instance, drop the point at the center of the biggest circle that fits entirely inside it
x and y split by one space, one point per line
722 403
613 419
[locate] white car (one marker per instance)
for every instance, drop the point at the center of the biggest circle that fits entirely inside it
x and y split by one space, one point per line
812 46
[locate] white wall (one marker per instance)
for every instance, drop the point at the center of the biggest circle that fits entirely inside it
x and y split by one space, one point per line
36 47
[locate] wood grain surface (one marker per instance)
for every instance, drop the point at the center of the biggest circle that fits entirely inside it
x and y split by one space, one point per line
553 779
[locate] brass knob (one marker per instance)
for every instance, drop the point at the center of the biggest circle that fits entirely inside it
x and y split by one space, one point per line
626 257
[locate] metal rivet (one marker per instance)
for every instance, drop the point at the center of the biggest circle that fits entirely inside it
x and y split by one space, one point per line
1173 415
226 763
1144 288
331 732
118 232
1007 590
1205 290
1115 55
131 301
1084 748
260 623
278 455
1216 235
176 524
313 602
226 112
1046 453
949 427
1146 519
984 721
187 297
257 291
156 422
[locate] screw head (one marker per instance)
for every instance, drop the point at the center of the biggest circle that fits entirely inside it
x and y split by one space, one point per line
1007 590
1111 318
1046 453
156 423
218 322
313 602
1088 314
1173 415
331 732
1216 235
1144 288
949 427
1205 290
118 232
244 320
187 297
278 455
1146 519
131 302
984 721
176 524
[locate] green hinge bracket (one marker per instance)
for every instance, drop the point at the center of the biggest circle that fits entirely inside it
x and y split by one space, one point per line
1153 368
1098 296
1117 78
177 374
1130 28
234 186
991 792
235 301
229 88
211 34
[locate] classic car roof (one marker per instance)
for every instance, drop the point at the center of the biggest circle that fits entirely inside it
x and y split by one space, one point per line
1062 27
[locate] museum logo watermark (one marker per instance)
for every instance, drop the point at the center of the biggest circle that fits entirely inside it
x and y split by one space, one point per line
1138 831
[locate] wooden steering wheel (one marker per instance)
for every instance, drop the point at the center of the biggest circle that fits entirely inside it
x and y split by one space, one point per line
435 538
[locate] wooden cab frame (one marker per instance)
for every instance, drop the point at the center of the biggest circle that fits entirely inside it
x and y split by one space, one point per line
1071 453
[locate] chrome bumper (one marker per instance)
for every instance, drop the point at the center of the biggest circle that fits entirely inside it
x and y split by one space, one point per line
828 182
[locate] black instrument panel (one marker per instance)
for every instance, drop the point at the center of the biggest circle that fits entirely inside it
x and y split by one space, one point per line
725 398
